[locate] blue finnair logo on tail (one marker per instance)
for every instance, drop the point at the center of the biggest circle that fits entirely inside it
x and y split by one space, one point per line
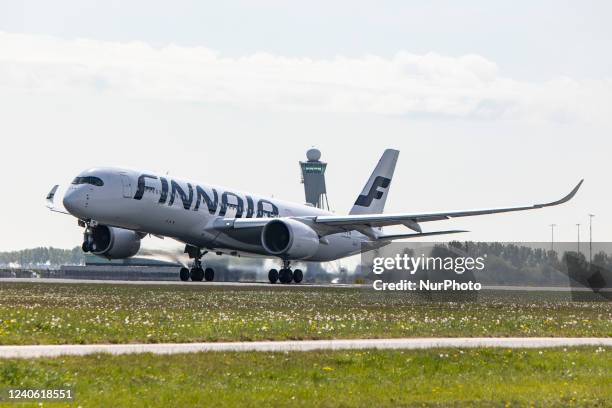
374 193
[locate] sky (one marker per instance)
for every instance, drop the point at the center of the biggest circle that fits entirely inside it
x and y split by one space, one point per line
490 104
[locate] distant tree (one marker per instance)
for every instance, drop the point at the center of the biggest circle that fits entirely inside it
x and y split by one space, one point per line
42 256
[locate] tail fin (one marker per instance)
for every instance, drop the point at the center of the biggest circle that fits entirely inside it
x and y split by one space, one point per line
374 195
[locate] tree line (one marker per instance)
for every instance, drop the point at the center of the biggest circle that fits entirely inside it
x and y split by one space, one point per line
42 256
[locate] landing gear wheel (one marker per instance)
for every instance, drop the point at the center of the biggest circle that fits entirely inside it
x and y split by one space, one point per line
197 274
273 276
282 275
209 274
184 274
285 275
298 276
85 247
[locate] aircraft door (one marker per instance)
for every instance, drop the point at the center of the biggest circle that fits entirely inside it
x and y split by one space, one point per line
127 185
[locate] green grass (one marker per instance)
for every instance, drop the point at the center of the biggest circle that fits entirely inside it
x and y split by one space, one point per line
442 377
32 313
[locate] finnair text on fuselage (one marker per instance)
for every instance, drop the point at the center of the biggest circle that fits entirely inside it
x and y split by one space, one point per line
169 189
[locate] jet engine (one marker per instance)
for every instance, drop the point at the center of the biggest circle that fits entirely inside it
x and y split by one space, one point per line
112 242
289 238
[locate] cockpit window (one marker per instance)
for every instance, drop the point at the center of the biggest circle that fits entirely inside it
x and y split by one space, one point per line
95 181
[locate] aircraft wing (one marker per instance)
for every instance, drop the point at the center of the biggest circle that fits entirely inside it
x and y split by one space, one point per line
332 224
347 222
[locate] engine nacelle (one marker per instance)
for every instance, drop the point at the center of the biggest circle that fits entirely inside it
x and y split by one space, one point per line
289 239
113 242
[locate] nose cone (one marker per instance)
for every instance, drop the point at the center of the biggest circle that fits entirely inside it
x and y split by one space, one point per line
74 201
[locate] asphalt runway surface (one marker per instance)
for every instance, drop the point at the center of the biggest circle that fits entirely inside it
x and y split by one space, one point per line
176 282
35 351
278 285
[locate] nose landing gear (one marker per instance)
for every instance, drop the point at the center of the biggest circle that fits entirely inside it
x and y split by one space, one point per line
88 241
285 275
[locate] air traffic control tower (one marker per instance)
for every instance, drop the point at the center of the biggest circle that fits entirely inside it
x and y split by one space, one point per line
313 178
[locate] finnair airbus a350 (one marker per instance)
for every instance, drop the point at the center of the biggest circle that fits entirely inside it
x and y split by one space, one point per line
118 207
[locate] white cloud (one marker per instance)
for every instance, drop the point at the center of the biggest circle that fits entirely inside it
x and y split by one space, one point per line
406 84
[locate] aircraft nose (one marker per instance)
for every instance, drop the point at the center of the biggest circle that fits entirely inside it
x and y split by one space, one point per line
73 200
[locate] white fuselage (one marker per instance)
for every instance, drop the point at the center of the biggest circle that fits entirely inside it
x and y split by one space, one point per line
190 212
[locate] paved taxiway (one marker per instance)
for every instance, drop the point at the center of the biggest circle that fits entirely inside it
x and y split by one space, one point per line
268 285
34 351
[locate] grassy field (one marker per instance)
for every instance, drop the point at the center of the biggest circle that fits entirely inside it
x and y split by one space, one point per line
443 377
33 313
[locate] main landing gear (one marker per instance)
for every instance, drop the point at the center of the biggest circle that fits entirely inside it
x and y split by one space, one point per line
88 241
196 273
285 275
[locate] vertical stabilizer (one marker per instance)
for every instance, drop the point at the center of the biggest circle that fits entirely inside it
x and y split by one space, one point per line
374 195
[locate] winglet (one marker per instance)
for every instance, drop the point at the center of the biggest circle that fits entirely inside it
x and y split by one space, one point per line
51 196
564 199
51 201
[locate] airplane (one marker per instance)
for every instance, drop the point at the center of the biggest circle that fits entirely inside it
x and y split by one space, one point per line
118 207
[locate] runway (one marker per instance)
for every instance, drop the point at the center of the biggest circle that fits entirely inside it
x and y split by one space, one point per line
279 286
177 282
34 351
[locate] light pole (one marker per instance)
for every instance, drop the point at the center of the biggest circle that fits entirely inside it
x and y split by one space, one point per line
591 237
552 237
578 243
